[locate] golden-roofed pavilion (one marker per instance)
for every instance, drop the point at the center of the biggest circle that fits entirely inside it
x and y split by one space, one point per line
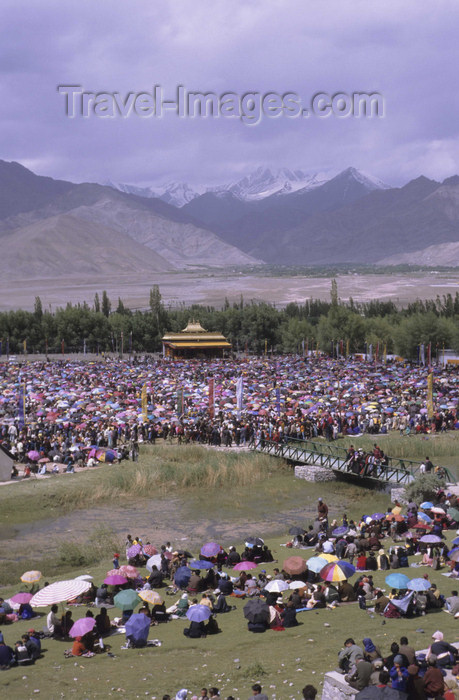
195 341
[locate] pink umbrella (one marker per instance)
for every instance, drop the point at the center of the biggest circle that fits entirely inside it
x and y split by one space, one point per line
150 550
115 580
21 598
33 455
82 626
245 566
129 571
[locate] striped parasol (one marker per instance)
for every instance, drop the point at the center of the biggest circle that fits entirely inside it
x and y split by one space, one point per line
150 550
58 592
337 571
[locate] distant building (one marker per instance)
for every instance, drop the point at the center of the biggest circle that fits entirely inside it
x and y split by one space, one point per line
195 341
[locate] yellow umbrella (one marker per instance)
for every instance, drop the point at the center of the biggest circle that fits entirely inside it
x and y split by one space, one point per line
328 557
150 597
396 510
31 576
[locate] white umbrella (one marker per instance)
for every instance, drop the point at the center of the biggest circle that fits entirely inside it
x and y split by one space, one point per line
58 592
154 560
297 584
437 509
84 577
276 586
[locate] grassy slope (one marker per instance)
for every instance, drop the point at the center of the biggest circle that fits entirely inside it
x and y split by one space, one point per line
283 656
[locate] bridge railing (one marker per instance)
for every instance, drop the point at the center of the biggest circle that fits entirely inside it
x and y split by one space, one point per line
395 469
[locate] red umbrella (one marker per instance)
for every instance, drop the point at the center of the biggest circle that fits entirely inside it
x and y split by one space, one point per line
128 571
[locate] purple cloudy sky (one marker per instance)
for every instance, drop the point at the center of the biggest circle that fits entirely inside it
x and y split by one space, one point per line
408 51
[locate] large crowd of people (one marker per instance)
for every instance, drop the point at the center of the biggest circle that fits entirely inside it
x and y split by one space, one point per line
86 411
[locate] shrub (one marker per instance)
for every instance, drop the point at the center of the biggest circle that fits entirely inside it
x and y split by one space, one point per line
424 488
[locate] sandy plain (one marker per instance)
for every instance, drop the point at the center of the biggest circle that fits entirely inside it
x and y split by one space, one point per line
212 287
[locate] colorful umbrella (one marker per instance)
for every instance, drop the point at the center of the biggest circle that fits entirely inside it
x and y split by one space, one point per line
295 565
210 549
198 613
328 557
58 592
151 597
126 600
115 580
33 455
244 566
337 571
427 505
31 576
378 516
399 581
82 627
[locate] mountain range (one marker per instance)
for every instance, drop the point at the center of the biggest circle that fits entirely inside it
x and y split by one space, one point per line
51 228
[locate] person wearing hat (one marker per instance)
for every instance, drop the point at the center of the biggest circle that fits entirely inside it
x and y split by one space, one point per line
116 560
445 653
377 666
399 674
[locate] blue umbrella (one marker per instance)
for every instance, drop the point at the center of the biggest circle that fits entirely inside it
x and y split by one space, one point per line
198 613
342 530
456 541
182 576
200 564
418 584
378 516
316 564
399 581
137 627
427 505
424 517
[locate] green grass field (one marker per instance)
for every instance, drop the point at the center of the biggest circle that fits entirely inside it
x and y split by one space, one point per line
283 662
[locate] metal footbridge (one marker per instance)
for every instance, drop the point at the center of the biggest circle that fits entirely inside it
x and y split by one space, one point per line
310 452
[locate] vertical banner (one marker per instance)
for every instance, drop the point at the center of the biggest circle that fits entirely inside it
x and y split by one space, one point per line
422 354
211 398
21 406
429 354
62 346
144 402
266 346
377 352
347 347
130 343
370 353
7 347
278 400
430 410
122 343
239 395
302 346
24 344
84 346
385 353
180 408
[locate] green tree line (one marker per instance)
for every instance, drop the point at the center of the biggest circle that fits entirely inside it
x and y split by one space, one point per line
315 324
